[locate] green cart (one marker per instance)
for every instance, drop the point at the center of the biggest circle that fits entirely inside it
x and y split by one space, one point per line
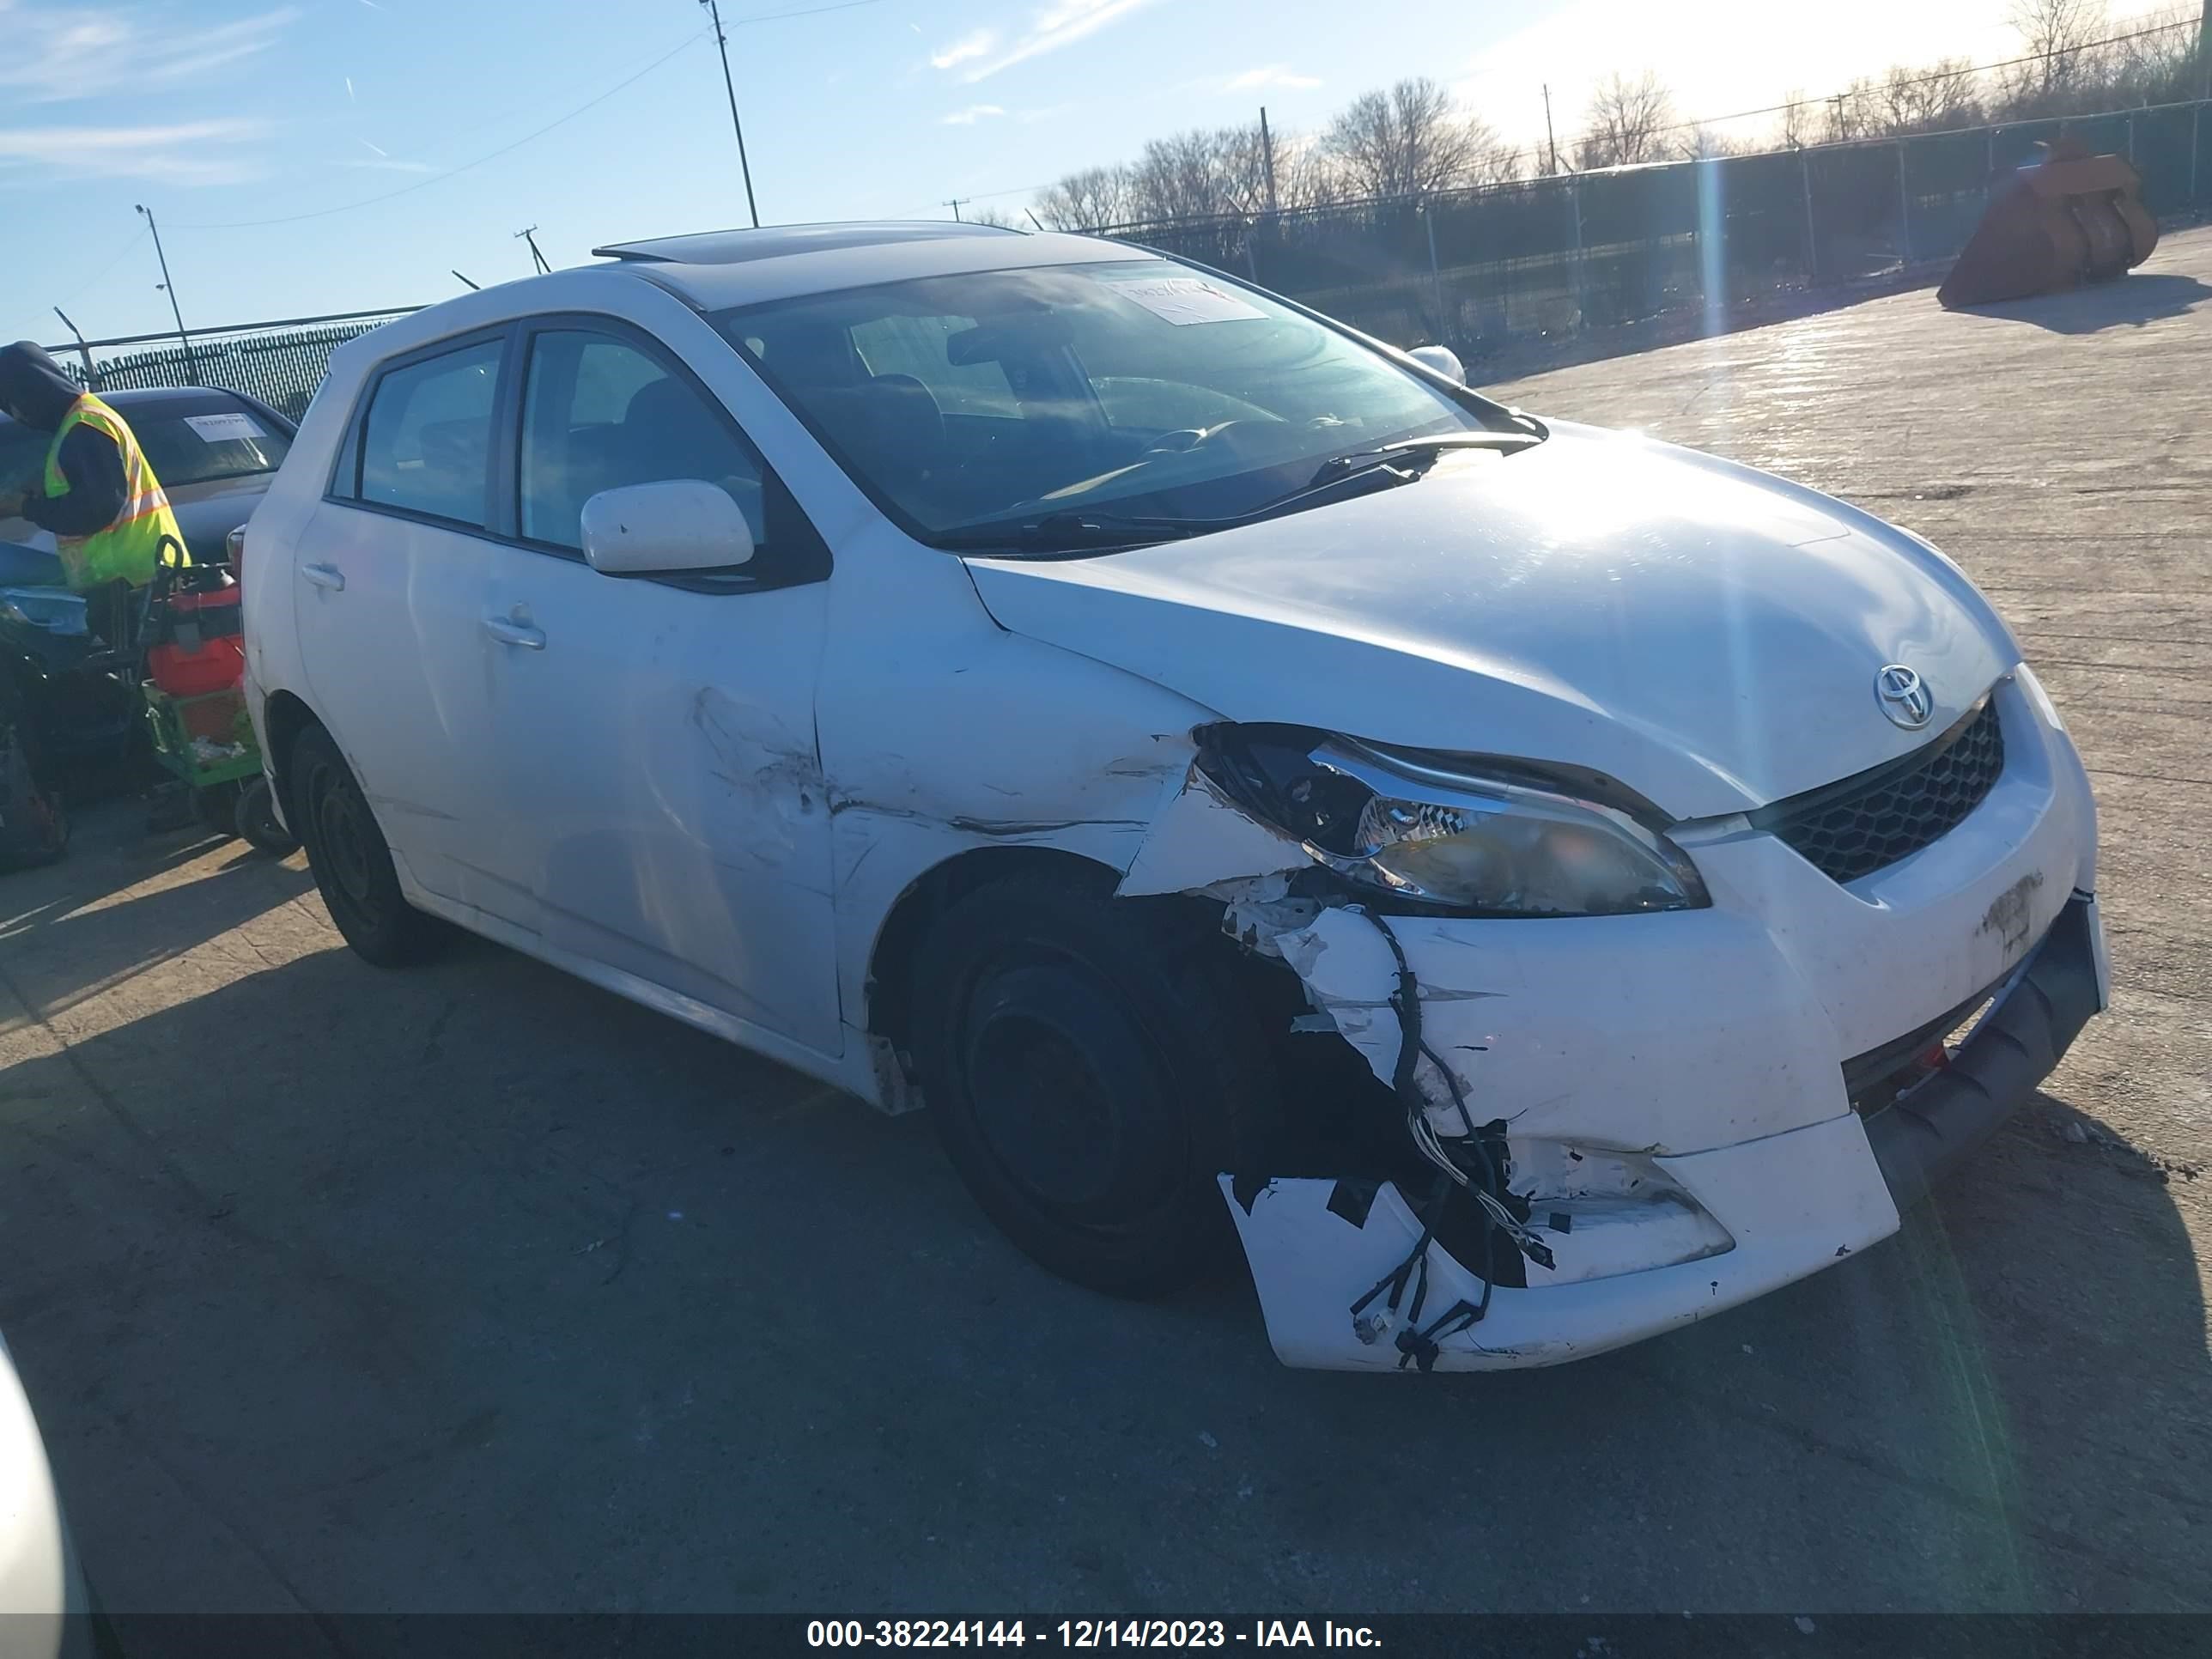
206 743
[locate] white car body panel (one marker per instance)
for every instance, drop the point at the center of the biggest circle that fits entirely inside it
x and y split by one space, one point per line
712 803
43 1603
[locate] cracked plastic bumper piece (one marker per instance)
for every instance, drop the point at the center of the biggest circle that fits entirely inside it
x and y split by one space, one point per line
1316 1251
1926 1133
1311 1263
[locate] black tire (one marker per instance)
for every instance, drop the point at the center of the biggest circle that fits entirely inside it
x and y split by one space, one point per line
351 862
256 823
1092 1068
216 806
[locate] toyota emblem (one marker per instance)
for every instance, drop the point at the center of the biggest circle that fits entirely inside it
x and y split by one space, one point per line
1904 696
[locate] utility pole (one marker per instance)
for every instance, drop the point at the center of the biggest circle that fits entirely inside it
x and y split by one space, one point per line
91 374
955 204
1268 150
536 257
2204 56
722 40
192 362
1554 144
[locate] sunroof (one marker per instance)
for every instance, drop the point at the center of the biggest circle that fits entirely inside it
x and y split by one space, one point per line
733 247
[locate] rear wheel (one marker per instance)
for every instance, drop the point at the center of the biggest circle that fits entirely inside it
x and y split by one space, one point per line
255 821
350 859
1091 1068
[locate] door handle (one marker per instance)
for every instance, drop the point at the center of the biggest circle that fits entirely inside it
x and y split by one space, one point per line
324 575
515 632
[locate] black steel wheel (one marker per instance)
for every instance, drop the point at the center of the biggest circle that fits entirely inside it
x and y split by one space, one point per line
1092 1070
351 862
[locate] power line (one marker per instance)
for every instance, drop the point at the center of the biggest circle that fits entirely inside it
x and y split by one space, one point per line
1940 74
440 178
88 284
1913 80
807 11
1537 153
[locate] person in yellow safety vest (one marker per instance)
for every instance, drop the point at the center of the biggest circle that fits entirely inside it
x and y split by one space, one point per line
110 519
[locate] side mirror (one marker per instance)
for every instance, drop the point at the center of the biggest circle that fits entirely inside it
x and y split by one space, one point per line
1442 360
653 529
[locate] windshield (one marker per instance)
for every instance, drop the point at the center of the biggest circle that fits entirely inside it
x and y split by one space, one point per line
1142 387
196 438
199 445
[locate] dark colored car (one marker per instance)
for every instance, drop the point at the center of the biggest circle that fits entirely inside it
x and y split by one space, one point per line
213 451
68 708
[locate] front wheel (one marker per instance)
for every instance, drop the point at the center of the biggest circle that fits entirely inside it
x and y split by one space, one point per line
1092 1069
351 859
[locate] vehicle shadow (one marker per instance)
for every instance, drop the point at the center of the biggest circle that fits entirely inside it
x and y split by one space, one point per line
474 1288
113 908
2132 300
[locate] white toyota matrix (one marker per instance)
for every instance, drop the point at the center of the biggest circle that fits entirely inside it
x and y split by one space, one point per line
1537 885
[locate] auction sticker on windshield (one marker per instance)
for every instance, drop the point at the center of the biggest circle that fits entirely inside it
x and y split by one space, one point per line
1184 300
224 428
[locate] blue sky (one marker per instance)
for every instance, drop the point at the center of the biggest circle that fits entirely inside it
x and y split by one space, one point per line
220 114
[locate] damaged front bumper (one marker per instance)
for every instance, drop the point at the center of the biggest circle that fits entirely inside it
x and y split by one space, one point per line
1669 1100
1788 1205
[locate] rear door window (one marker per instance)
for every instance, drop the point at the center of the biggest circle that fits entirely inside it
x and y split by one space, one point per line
426 446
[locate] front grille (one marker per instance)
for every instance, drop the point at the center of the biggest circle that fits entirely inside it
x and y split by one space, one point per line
1868 822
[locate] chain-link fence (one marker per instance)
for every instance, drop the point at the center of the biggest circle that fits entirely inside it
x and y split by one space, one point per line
1556 256
282 364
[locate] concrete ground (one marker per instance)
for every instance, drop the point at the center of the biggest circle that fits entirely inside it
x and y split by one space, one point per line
476 1288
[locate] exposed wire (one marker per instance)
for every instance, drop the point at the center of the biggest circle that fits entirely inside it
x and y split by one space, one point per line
439 178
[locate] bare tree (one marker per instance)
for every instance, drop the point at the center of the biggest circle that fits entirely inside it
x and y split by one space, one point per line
1854 113
1091 199
1702 143
2058 35
1305 176
1942 95
1409 141
1797 120
1627 122
997 216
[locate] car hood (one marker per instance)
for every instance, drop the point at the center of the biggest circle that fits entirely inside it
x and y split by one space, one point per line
1704 633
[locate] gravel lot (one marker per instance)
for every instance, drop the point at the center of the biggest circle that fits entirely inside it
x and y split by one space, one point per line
475 1288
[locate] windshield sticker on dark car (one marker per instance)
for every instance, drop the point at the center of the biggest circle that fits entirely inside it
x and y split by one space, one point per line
224 428
1184 300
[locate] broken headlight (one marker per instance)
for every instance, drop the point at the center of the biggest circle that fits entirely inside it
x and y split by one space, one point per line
1502 844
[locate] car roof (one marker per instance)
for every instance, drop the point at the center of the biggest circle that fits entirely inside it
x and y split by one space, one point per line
730 248
720 269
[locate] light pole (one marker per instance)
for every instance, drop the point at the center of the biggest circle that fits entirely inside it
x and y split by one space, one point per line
722 40
192 362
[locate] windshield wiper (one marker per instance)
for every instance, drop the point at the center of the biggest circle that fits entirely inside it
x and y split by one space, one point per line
1359 460
1056 531
1068 532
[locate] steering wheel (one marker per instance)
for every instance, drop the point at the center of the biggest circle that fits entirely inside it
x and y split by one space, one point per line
1181 442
